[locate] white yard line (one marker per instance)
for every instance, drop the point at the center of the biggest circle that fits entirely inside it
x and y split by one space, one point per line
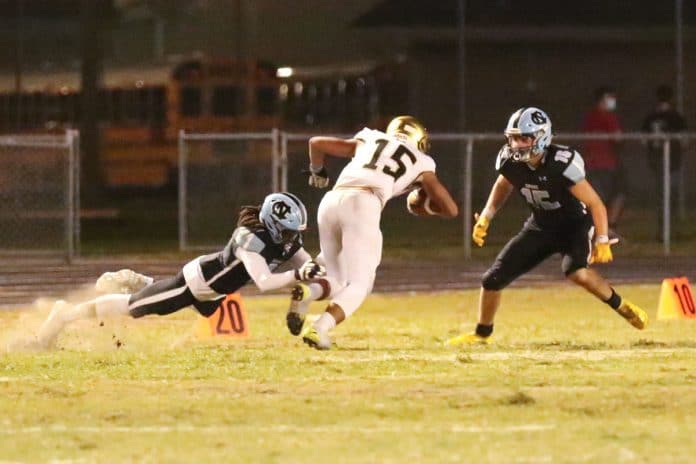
536 355
343 429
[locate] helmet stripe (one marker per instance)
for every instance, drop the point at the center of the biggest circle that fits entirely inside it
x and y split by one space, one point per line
300 206
516 122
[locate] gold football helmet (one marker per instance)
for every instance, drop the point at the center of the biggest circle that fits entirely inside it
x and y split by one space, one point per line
412 129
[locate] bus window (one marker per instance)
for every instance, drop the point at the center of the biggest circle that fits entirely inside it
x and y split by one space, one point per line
131 106
158 96
266 100
228 100
116 102
190 101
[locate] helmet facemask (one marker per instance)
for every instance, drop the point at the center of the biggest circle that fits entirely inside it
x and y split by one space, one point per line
527 154
529 122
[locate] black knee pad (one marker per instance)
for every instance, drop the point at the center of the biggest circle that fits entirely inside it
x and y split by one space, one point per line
207 308
570 265
493 279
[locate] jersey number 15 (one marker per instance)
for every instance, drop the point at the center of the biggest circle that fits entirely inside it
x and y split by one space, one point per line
397 156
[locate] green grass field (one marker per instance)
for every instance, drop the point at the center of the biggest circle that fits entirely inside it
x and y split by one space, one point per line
566 381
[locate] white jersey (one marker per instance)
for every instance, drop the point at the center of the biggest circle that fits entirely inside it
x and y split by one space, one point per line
385 164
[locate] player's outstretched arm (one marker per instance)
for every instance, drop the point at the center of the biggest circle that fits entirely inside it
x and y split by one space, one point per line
320 146
584 192
500 192
307 268
601 251
439 195
261 274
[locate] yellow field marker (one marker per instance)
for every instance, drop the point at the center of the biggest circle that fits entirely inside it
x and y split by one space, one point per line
676 299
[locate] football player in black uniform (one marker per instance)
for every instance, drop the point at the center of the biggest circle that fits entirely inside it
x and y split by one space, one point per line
265 237
551 179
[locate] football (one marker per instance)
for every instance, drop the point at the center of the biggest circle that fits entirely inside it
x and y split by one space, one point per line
418 203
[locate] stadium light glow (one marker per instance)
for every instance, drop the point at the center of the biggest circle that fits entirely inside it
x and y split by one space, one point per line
284 72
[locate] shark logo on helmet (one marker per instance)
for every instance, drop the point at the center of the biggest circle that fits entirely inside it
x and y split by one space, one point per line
280 210
538 117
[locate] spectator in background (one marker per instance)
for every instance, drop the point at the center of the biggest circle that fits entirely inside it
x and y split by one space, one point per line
664 119
601 156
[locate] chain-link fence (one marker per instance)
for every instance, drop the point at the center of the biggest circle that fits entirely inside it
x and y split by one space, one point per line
219 173
39 198
465 164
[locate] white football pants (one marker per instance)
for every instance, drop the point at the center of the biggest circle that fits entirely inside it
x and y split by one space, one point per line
351 244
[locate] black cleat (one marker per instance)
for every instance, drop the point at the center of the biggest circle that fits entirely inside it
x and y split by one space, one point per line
294 322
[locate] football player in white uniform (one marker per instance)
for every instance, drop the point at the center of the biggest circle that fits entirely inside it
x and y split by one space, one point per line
383 165
266 236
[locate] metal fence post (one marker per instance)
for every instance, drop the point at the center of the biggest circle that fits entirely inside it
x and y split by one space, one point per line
70 200
666 197
73 137
275 162
682 186
182 191
468 162
284 162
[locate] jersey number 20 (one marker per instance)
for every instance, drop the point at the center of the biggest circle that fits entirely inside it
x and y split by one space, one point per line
397 156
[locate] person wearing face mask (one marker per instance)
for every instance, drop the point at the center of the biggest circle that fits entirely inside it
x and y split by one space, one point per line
601 155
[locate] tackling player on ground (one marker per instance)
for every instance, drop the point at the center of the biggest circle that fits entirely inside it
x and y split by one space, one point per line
383 165
551 179
265 237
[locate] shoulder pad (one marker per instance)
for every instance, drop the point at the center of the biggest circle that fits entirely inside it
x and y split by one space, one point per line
366 134
428 163
248 240
575 166
502 158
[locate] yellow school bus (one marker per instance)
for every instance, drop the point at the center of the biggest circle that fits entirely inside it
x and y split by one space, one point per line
142 109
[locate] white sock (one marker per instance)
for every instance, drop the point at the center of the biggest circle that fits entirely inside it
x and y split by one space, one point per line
80 311
111 305
315 291
325 323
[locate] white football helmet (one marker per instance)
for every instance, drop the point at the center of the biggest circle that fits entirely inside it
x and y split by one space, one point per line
531 122
284 215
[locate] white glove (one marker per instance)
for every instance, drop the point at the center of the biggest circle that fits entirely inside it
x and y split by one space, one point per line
310 270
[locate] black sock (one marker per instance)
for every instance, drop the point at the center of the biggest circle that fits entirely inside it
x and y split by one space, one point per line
484 330
614 300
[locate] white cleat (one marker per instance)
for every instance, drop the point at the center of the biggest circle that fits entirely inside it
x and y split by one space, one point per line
53 325
124 281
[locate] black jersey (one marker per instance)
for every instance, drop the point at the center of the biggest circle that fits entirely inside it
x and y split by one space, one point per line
226 274
546 188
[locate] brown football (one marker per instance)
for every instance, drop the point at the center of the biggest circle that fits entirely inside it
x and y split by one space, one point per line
418 203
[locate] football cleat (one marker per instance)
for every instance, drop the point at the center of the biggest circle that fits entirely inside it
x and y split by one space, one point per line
124 281
319 340
469 339
633 314
294 321
295 317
